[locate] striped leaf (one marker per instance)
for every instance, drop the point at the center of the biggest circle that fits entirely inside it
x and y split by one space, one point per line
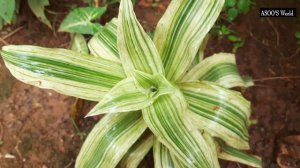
178 163
110 139
180 32
137 152
162 156
220 68
138 50
229 153
165 120
200 54
210 142
79 44
123 97
133 94
104 44
153 85
221 112
63 70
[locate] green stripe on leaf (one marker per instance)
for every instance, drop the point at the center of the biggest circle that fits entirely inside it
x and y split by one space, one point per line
162 156
180 32
110 139
104 44
221 112
229 153
43 67
220 68
165 120
138 50
123 97
137 152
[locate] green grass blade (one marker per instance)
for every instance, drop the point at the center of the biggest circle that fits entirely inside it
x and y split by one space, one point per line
221 112
165 120
65 71
162 156
137 152
110 139
180 32
220 68
229 153
137 50
104 44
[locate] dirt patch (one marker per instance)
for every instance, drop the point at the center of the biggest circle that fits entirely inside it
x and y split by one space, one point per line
35 124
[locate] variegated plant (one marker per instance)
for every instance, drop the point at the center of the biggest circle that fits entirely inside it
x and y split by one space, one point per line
151 93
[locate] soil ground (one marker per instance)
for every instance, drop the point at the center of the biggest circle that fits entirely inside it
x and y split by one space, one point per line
36 128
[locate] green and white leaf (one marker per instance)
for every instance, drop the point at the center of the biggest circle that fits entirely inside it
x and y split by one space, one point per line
133 94
178 163
221 112
180 32
229 153
104 44
200 54
127 74
79 44
165 120
38 7
110 139
7 10
162 156
137 50
153 85
137 152
65 71
80 20
220 68
210 141
123 97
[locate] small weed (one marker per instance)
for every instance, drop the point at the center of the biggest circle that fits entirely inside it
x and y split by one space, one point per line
224 31
237 42
9 10
231 10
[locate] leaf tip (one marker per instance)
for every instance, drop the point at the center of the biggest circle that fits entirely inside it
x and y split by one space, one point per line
89 115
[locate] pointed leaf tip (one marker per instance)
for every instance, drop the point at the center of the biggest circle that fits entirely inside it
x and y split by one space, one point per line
137 51
180 32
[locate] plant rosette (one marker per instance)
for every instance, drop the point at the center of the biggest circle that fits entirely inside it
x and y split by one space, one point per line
150 93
